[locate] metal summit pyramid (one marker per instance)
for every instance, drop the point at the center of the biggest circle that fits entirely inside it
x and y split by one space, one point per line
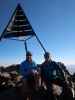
18 25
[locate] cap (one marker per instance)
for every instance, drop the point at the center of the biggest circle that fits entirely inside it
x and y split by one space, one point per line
28 53
47 54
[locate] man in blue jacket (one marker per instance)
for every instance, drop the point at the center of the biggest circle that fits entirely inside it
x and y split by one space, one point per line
27 66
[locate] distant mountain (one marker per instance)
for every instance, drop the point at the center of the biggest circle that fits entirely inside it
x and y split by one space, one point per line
10 68
71 68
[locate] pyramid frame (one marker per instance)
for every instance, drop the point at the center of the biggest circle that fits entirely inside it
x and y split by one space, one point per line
10 36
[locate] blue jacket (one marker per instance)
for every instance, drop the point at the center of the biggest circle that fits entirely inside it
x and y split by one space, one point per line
25 66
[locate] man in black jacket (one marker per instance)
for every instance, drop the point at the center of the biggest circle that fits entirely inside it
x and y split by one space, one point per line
50 72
